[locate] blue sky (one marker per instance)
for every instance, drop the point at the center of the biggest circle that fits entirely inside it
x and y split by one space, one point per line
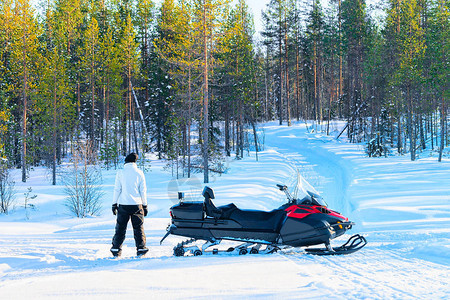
256 6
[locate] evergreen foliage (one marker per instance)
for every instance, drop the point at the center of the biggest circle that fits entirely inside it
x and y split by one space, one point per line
187 80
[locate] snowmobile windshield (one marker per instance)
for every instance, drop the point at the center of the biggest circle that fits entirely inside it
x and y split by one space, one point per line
306 194
312 199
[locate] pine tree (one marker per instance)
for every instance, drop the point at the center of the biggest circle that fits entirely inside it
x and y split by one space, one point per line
438 47
129 61
55 112
238 74
90 65
24 60
176 46
407 77
391 34
6 118
355 29
330 70
274 35
112 94
68 19
315 35
166 60
209 15
145 21
381 106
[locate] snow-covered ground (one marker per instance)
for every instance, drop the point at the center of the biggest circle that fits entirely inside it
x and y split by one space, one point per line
401 207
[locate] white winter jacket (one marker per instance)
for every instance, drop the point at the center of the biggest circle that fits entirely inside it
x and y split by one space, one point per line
130 187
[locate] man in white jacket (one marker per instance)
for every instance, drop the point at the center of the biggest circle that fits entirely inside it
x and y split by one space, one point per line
130 202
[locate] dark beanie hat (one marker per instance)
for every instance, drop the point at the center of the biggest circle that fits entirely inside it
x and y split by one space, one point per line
132 157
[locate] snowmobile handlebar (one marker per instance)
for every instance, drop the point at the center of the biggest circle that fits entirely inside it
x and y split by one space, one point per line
284 188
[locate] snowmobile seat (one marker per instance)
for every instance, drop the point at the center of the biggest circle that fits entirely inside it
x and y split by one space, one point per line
208 192
210 208
255 219
227 210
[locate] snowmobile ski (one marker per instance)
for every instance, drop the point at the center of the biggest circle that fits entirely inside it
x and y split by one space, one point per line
354 243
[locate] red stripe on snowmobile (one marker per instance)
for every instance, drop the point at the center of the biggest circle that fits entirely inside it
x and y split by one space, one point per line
301 211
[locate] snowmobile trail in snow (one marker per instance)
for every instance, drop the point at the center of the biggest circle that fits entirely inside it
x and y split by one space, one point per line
320 167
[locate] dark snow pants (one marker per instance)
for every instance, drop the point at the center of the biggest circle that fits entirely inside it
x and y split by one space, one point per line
136 213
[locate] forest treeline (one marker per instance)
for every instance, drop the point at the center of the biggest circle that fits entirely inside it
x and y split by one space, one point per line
188 81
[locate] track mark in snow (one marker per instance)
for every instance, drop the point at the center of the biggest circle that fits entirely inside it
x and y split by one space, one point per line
376 275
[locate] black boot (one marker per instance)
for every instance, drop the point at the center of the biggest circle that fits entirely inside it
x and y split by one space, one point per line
116 252
142 251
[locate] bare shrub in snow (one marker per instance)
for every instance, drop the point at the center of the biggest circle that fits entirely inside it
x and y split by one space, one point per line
26 204
7 191
83 182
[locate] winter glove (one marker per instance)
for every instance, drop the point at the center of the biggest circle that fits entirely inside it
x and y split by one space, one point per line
114 209
145 210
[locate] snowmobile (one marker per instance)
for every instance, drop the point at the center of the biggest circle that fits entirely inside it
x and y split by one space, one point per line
298 223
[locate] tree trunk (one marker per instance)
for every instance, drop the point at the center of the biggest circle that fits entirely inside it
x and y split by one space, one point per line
431 130
133 119
266 102
316 106
78 101
54 132
255 137
129 108
241 129
330 97
399 128
205 100
93 105
238 136
107 125
412 140
233 125
443 117
422 134
286 71
227 131
189 124
25 108
297 83
341 81
280 101
24 126
124 127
